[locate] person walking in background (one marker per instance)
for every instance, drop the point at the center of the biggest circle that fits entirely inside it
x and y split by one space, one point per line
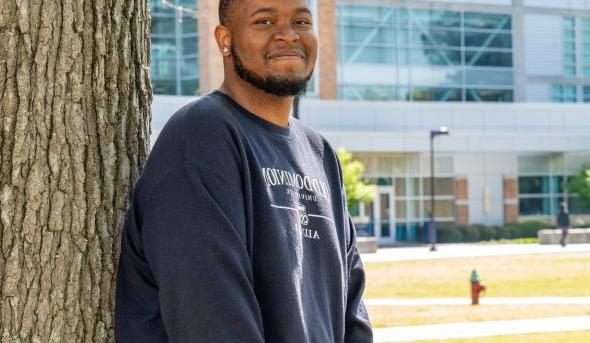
563 222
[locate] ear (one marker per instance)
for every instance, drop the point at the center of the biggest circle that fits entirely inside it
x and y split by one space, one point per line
223 38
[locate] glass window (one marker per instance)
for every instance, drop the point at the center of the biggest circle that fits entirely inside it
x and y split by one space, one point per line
427 18
361 92
488 39
442 208
458 52
534 206
490 95
367 54
400 209
164 86
487 21
563 93
435 94
533 184
586 93
189 67
435 57
163 25
442 187
488 59
189 24
163 47
369 35
366 15
190 87
190 45
163 68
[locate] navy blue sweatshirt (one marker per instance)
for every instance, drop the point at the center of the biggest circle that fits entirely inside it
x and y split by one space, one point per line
237 231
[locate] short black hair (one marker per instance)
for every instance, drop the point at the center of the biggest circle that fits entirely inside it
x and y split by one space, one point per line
225 10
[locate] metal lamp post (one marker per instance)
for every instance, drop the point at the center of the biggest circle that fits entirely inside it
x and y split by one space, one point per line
432 226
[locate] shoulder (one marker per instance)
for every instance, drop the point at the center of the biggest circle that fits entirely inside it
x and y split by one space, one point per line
317 140
202 133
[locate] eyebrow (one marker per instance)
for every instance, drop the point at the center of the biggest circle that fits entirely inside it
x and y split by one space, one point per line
273 10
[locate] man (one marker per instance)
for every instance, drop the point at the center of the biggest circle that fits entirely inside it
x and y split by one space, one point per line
237 230
563 222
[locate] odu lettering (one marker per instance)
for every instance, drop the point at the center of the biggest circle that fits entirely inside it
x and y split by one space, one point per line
278 177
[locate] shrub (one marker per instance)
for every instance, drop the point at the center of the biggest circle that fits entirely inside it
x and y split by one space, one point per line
470 233
448 234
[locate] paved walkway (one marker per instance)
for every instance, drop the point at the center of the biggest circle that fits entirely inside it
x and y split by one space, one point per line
483 300
481 329
468 250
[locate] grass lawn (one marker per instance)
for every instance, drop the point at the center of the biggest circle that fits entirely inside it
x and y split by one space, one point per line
551 337
388 316
564 274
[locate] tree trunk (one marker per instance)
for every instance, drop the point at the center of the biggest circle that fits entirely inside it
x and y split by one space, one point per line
75 99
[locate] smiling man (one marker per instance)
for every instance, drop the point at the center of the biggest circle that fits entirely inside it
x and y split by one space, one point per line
237 229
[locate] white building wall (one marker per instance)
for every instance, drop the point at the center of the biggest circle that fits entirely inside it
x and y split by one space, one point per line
542 45
560 4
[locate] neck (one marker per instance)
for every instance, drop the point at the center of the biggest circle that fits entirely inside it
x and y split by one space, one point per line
272 108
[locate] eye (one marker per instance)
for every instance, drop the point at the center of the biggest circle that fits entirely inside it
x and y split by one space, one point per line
303 22
264 22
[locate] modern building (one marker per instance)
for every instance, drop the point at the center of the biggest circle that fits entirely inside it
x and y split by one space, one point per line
494 72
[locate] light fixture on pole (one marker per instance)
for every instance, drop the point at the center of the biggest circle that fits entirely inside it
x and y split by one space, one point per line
431 225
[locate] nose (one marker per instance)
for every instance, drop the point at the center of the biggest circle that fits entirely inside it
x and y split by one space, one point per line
287 33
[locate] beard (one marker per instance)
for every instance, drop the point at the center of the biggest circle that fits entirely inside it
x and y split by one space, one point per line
272 84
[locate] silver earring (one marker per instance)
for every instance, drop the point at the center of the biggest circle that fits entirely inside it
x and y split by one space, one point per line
225 50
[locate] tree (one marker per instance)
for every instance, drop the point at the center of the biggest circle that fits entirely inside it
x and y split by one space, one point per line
75 99
356 189
580 184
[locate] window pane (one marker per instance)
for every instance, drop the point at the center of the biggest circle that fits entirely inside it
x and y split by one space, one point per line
488 59
361 92
190 87
442 208
190 46
426 18
534 206
494 40
164 86
366 15
487 21
189 67
434 38
436 94
533 185
163 47
189 24
400 209
358 54
163 25
371 35
491 95
163 68
442 186
435 57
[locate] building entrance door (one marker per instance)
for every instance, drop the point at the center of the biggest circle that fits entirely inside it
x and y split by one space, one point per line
384 215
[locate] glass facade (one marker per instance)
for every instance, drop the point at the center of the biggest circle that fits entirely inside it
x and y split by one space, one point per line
387 53
563 93
569 46
174 47
541 184
406 178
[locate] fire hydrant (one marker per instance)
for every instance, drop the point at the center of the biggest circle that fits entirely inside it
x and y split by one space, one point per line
476 288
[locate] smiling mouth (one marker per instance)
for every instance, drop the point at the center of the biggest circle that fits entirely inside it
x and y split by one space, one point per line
286 55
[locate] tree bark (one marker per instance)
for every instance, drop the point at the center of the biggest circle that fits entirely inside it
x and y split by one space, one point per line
75 99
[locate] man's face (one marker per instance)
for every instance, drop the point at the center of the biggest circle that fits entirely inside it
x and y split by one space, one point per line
274 46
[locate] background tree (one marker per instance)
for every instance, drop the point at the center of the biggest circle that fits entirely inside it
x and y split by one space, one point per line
75 101
580 184
356 189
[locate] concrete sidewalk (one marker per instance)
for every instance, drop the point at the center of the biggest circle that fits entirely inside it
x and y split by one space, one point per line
468 250
481 329
482 301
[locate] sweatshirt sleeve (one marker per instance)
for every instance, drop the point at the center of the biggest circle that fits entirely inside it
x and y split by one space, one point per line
358 326
185 272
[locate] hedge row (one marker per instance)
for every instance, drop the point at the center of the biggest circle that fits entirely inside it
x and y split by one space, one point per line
453 233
